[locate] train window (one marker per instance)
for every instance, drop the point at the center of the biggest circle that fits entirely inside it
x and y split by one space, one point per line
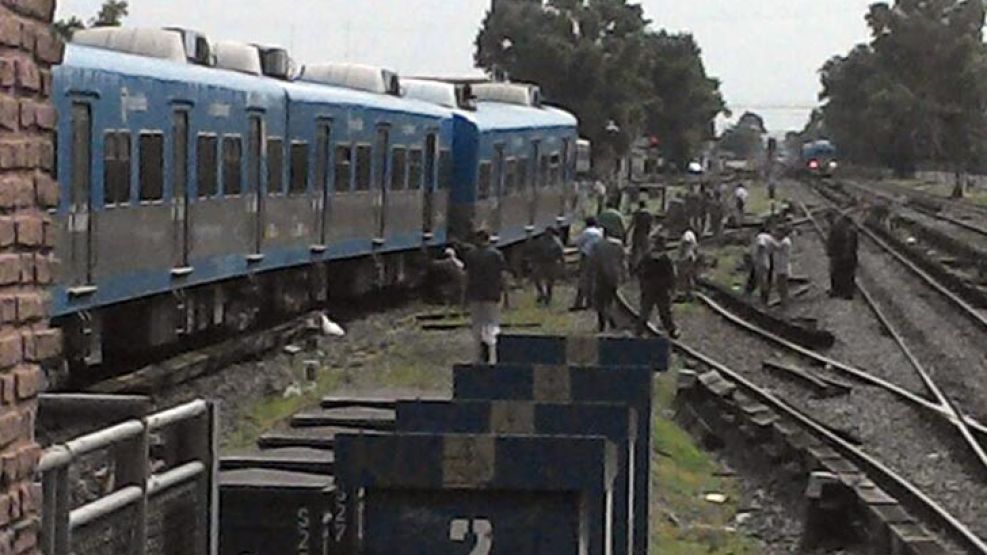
497 182
254 151
344 168
81 150
445 169
179 127
556 171
483 181
510 177
415 168
298 183
522 174
543 178
275 166
363 159
116 168
431 144
151 175
322 157
399 168
207 180
232 165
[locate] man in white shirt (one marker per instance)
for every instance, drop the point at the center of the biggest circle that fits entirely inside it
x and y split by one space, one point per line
782 261
588 239
740 195
761 252
688 262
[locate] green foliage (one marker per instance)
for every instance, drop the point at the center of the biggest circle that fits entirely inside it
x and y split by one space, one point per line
917 92
599 60
746 138
111 14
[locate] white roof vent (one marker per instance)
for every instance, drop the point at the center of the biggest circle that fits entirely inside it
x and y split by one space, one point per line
155 43
508 93
434 92
237 56
353 76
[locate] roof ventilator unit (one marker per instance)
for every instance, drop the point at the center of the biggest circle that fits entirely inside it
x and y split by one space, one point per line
450 95
276 62
164 44
237 56
197 48
521 94
353 76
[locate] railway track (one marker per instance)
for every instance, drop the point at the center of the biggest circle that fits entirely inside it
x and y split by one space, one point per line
949 408
927 202
904 490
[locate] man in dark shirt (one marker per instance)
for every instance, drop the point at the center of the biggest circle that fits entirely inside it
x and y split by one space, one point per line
656 277
641 225
607 262
547 256
485 269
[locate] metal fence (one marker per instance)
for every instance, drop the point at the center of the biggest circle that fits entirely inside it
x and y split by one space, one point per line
162 504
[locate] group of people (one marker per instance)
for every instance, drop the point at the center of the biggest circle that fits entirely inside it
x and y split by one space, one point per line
770 263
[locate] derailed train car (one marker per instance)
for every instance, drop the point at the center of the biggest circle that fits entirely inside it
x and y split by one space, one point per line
203 189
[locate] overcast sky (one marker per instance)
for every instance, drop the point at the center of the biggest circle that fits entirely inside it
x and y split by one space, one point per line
766 52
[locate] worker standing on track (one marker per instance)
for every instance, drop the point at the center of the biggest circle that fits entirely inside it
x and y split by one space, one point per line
656 278
612 222
590 236
641 225
609 270
761 253
782 262
716 214
688 262
841 246
547 257
485 269
740 195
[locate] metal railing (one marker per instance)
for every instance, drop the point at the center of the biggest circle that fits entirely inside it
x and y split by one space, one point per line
190 456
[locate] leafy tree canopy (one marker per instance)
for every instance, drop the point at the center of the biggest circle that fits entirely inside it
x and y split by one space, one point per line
111 14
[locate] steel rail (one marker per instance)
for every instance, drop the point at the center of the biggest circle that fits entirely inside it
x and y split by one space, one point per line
920 369
942 217
876 471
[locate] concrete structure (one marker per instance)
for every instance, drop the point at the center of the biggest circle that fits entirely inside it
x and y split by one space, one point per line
28 189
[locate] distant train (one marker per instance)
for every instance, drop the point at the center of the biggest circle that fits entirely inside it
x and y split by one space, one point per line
819 158
203 186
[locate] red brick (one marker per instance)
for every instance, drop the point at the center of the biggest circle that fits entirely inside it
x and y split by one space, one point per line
30 306
27 113
10 269
10 31
8 389
15 504
49 48
45 116
28 382
46 83
31 497
8 113
43 344
45 268
29 31
46 191
7 233
9 468
10 427
28 457
6 72
30 230
28 77
4 509
46 155
51 233
11 351
26 538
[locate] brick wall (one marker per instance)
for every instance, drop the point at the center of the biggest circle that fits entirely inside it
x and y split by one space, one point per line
27 189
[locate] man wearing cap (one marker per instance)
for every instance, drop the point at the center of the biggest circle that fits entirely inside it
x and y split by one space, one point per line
656 277
485 269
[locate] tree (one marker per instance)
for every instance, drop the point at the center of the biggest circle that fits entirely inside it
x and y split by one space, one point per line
917 92
746 138
598 59
111 14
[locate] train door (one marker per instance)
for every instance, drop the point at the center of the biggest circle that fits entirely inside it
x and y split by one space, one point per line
179 176
429 190
533 180
323 137
498 188
255 151
381 152
80 221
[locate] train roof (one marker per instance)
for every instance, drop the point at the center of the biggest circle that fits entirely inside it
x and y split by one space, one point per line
498 116
92 58
304 91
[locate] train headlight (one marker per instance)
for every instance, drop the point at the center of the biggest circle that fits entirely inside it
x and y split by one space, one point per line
833 165
813 164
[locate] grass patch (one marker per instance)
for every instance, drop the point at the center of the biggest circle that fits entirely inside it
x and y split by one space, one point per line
945 190
683 522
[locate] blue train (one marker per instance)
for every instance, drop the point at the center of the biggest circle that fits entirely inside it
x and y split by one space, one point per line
204 187
819 158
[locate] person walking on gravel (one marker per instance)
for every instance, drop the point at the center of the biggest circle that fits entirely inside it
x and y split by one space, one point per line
688 262
740 195
782 262
656 278
841 247
761 254
641 225
547 258
608 262
485 270
590 236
